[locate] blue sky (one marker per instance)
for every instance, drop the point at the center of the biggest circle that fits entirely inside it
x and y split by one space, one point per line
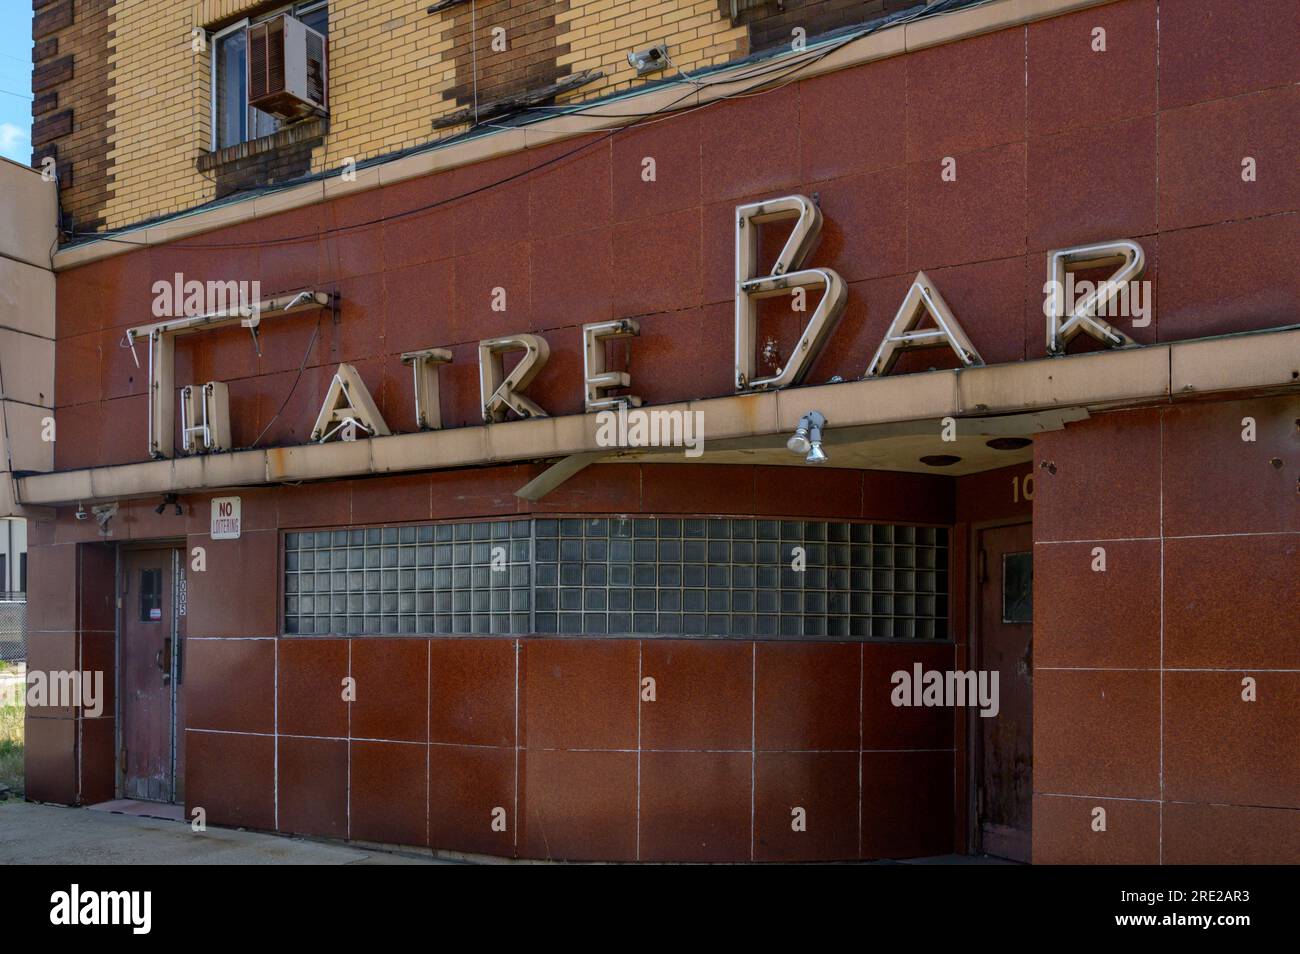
16 80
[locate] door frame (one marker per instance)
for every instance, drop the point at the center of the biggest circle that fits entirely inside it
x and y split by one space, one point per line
974 738
177 547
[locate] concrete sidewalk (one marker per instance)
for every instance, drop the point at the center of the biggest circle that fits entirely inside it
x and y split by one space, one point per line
54 835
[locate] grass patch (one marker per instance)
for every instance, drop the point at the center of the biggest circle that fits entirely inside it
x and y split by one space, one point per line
11 749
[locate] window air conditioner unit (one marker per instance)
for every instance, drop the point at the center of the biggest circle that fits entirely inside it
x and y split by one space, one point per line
286 68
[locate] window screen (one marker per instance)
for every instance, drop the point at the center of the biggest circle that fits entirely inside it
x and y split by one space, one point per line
644 576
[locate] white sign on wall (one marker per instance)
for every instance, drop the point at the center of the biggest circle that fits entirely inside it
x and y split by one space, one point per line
225 518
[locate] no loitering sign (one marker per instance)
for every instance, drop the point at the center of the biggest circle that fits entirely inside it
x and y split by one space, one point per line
225 518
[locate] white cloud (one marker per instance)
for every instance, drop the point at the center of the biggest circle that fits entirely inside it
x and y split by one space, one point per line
15 143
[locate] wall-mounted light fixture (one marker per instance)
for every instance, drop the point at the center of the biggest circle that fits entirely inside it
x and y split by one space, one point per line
807 438
169 500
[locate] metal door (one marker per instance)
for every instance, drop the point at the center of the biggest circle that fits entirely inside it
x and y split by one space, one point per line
149 650
1004 776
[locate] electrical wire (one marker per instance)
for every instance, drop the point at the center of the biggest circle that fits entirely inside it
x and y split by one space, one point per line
293 387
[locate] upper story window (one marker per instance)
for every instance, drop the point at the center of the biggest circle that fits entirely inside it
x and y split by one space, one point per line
234 118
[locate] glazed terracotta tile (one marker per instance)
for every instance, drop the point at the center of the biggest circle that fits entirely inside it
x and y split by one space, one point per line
1097 733
1202 148
806 806
230 684
979 215
1064 831
1220 748
695 806
1230 602
578 806
876 138
1227 277
1218 482
392 687
579 694
388 785
886 726
472 799
907 804
98 757
1072 84
675 147
238 594
49 760
703 694
309 693
1219 48
1229 835
806 696
472 684
312 793
232 778
1093 618
986 109
1120 450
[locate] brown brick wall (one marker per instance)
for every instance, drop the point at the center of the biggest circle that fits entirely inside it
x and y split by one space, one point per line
528 62
70 109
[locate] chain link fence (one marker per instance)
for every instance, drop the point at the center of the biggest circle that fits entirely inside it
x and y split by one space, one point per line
13 627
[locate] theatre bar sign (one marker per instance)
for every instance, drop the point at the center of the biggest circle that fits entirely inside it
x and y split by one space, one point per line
923 320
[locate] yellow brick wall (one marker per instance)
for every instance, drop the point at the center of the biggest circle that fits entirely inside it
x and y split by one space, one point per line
159 119
600 34
390 64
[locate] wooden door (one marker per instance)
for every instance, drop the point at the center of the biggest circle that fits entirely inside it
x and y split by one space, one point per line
1004 776
147 627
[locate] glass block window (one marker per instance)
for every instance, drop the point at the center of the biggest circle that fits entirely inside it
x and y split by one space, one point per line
446 578
611 576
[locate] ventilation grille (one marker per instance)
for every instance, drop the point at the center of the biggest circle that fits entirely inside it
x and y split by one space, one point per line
265 59
315 67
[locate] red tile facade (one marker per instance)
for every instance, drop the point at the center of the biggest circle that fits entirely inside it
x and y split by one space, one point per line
1144 672
1054 143
533 748
548 748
